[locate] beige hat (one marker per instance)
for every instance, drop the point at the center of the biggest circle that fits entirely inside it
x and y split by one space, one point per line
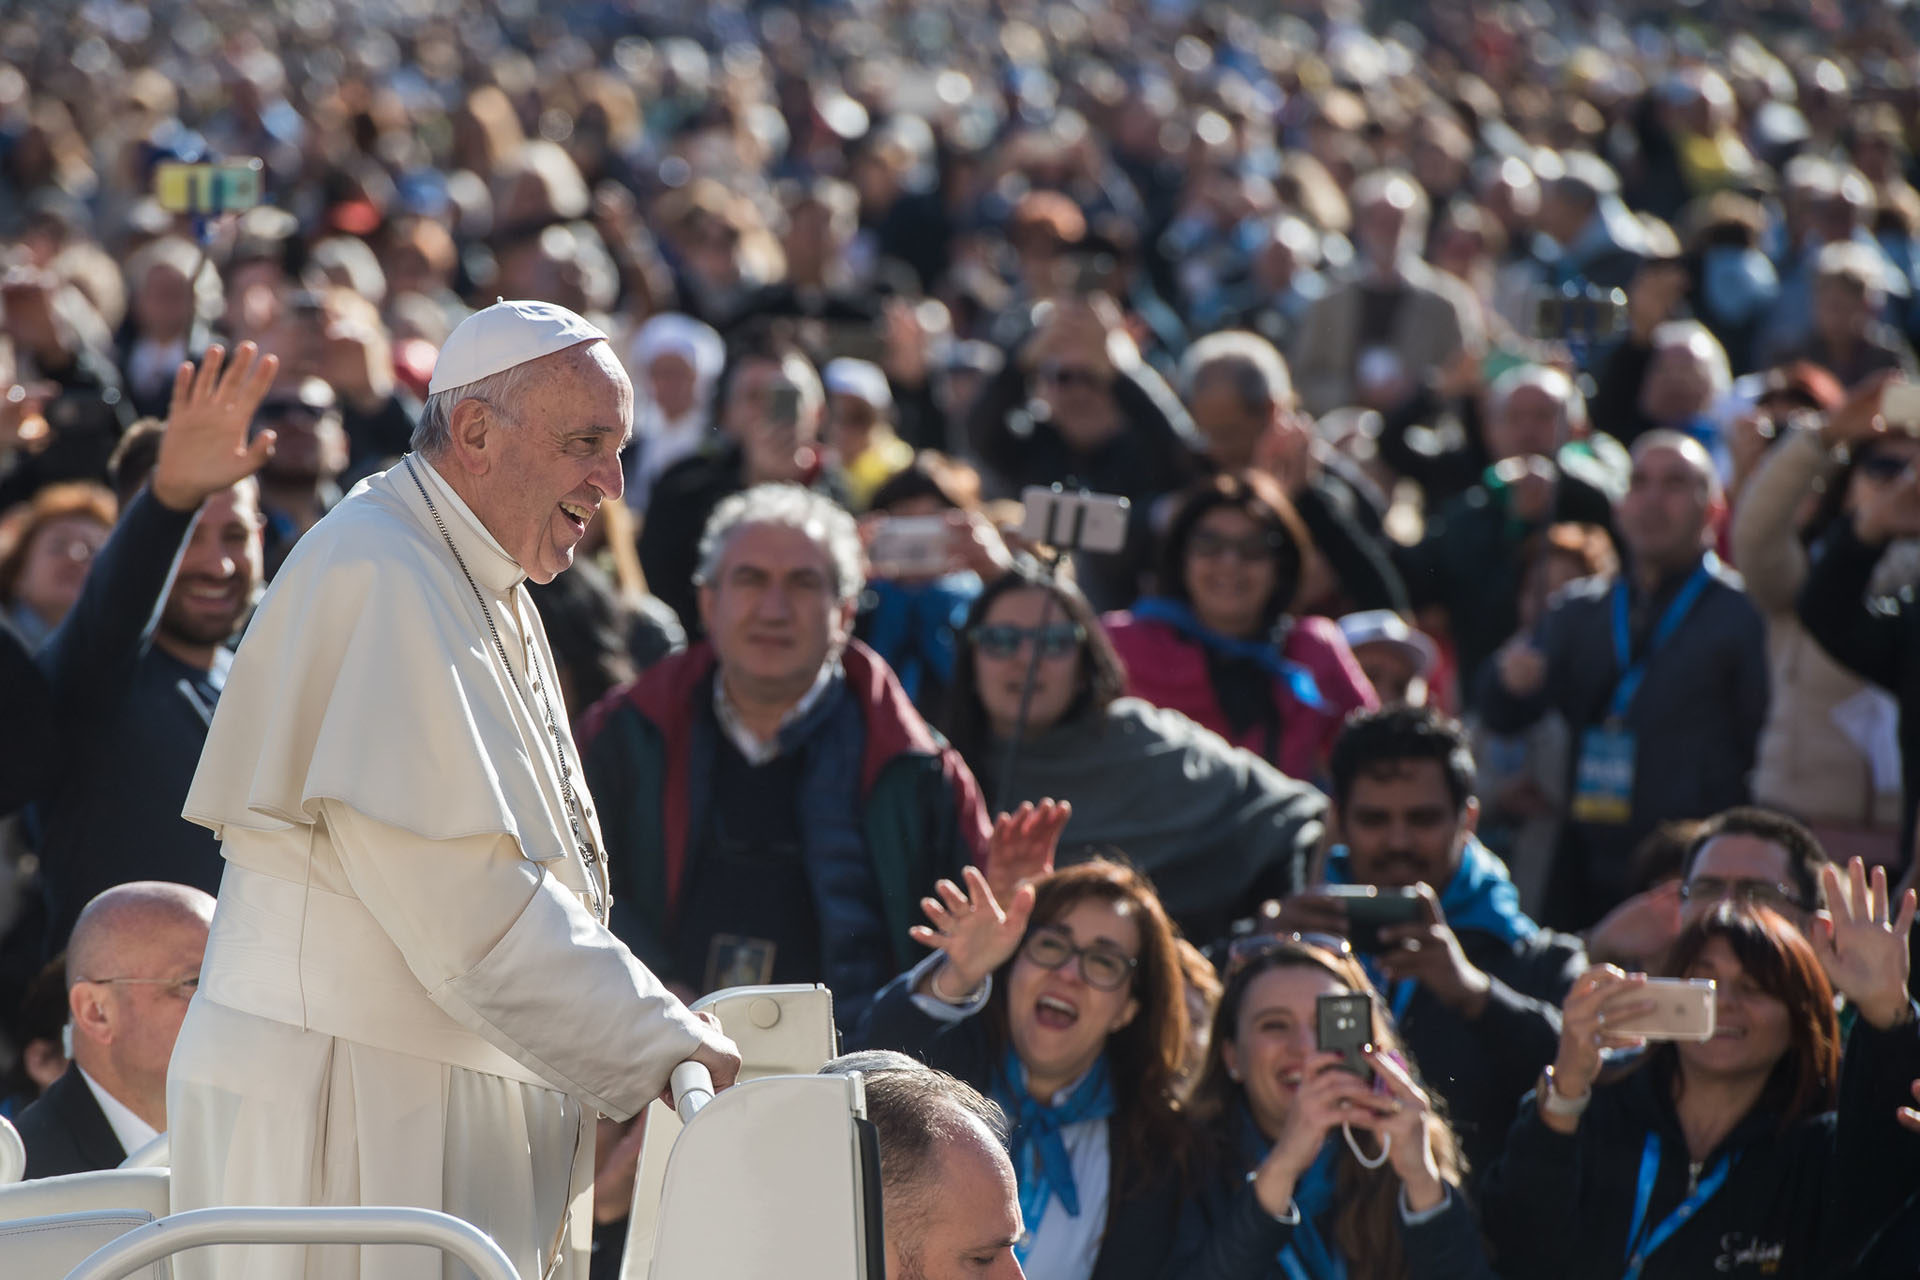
504 335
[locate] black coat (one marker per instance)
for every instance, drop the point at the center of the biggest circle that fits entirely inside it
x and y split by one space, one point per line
26 711
1140 1223
1798 1202
66 1132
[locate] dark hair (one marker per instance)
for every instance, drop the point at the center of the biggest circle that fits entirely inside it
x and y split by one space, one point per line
1805 857
1103 678
588 626
133 458
1662 854
1145 1056
1256 496
930 475
1778 957
1366 1222
1378 743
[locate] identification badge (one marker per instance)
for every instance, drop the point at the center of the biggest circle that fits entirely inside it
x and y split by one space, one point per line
734 961
1603 780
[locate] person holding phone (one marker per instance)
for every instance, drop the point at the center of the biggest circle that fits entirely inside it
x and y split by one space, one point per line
1066 1006
1302 1167
1748 1153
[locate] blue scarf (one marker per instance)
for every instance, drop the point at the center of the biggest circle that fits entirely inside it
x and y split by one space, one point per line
1040 1160
914 626
1171 613
1479 898
1308 1255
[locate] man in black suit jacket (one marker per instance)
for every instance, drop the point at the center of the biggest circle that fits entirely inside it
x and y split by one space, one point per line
132 966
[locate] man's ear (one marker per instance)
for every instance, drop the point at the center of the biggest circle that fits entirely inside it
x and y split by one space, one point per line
472 428
1470 817
704 597
1336 830
86 1004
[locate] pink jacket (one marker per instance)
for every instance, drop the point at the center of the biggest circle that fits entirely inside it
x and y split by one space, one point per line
1168 670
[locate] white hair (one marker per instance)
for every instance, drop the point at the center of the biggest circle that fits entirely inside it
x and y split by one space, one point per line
1699 339
824 522
1255 367
1555 382
433 434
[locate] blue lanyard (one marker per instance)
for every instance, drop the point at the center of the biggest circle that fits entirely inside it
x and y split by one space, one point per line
1638 1248
1632 673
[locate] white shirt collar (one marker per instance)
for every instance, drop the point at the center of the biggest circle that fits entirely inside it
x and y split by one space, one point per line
132 1132
756 751
486 559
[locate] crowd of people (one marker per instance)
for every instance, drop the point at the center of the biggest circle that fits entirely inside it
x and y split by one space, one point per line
1517 415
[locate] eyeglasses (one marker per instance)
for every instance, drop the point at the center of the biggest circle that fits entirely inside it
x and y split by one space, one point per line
1242 952
178 988
1882 466
1063 375
1104 969
1253 549
1004 640
1752 893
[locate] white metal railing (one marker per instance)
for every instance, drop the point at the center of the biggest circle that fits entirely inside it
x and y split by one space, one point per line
310 1224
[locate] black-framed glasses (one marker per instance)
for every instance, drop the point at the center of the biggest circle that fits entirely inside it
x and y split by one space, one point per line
1103 968
1752 893
1255 548
1067 375
1242 952
1004 640
179 988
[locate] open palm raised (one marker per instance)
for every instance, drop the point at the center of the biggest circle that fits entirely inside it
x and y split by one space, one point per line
1861 939
972 928
204 448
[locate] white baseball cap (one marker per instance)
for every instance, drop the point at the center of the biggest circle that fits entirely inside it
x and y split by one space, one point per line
1384 626
503 335
861 379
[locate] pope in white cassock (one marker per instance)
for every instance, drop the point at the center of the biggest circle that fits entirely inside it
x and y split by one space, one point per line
410 995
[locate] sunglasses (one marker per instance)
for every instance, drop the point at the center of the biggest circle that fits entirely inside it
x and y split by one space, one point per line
1103 968
1071 376
1882 466
1752 893
1004 640
1245 951
1254 549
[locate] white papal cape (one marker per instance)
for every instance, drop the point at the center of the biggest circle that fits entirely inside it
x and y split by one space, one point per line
410 995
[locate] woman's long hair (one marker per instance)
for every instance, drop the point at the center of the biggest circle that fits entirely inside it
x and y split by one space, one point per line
1806 1080
1148 1133
1103 678
1366 1219
1260 499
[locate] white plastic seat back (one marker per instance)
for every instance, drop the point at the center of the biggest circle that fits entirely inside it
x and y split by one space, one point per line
48 1248
13 1153
144 1190
777 1177
781 1031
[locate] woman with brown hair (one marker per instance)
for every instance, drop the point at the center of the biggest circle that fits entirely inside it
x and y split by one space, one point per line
1305 1171
46 545
1752 1152
1068 1008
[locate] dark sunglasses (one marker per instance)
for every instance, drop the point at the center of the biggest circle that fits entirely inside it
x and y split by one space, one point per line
1061 375
1004 640
1882 466
1245 951
1103 968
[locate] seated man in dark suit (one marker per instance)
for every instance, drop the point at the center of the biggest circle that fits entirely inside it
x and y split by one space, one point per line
132 965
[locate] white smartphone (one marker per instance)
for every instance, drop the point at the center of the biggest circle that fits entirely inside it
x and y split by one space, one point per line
1683 1010
1900 406
1074 521
910 547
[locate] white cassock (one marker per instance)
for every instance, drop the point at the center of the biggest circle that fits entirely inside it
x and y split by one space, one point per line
410 996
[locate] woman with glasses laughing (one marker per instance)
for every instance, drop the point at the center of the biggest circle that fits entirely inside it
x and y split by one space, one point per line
1217 828
1066 1006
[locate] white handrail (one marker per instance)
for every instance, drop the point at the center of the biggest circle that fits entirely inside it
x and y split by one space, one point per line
307 1224
692 1087
13 1153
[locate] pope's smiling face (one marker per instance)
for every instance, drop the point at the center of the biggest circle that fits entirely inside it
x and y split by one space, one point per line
538 469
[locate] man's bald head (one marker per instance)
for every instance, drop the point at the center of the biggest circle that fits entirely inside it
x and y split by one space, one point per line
129 922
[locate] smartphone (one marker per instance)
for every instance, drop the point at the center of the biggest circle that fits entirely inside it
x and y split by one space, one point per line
208 189
1074 521
783 405
1371 909
1900 406
909 547
1683 1010
1344 1025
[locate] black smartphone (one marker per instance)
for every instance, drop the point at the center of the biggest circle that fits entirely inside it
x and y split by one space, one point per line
1371 909
1345 1026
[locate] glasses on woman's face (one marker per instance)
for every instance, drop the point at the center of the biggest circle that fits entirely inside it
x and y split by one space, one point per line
1005 640
1751 893
1103 968
1255 548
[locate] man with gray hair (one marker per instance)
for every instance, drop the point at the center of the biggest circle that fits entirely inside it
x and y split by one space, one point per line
950 1209
411 994
777 808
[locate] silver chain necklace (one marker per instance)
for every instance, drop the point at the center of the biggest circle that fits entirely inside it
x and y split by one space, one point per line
574 808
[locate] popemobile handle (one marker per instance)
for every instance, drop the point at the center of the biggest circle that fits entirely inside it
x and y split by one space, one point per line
692 1086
